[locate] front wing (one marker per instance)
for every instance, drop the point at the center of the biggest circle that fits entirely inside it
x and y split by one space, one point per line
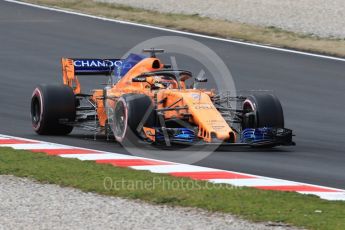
254 137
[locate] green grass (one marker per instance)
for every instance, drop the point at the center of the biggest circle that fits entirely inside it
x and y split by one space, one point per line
251 204
194 23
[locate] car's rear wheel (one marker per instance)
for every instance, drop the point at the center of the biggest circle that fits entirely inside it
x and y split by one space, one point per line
262 110
129 117
51 105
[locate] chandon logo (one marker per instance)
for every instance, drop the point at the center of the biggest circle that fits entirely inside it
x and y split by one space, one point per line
98 63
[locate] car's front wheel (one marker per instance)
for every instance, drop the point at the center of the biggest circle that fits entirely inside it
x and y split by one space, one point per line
262 110
129 117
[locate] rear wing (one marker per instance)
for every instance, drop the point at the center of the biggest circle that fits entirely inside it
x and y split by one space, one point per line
72 67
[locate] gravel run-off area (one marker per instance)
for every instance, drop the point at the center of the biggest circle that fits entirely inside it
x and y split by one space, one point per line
26 204
323 18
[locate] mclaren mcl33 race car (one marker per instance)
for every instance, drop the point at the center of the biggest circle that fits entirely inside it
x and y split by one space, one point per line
147 101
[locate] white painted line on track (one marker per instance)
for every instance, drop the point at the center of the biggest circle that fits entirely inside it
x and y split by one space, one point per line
100 156
327 195
174 168
35 146
253 182
179 32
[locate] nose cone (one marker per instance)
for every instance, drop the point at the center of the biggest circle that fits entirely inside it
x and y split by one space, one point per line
210 122
222 135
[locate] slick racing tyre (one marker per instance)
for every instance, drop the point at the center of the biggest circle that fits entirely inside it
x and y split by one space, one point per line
51 104
129 114
262 110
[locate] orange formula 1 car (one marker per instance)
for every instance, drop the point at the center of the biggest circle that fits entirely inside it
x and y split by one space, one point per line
146 100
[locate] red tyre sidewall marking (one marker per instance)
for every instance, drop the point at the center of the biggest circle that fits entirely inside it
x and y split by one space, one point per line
121 100
38 94
250 103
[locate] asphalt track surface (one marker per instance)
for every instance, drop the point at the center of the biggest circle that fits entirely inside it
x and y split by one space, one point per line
311 89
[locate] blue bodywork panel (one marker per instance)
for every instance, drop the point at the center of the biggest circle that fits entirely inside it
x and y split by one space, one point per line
256 135
176 134
265 135
127 64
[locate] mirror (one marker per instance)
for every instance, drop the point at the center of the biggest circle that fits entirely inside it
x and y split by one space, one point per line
139 79
200 79
197 82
